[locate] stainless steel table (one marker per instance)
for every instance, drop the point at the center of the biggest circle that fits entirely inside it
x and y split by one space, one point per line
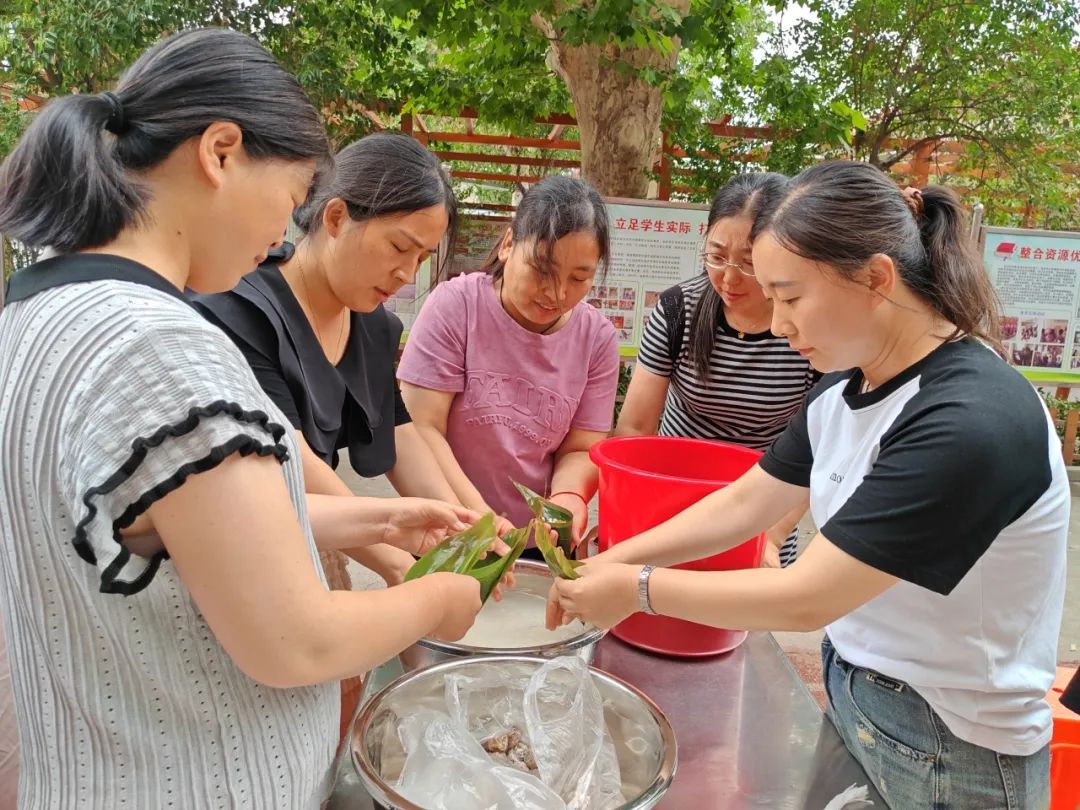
749 733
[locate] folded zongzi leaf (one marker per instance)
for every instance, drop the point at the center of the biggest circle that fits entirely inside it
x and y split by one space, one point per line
457 553
493 568
555 516
553 555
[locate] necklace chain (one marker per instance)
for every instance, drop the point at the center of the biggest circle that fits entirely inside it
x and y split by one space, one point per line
754 328
311 308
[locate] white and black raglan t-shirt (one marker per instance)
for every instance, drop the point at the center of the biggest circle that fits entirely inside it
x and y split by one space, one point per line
950 478
112 392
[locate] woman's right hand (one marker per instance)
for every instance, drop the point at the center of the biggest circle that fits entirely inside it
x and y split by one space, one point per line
602 595
460 600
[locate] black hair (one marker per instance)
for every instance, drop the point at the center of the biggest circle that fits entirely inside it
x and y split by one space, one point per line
72 181
842 213
555 207
381 175
743 195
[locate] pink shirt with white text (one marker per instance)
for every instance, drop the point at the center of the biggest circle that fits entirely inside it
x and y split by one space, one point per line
518 393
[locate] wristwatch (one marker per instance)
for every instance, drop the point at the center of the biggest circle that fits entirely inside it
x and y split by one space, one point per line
643 590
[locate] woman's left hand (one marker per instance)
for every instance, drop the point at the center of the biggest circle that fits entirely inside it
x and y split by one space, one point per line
417 525
576 506
603 595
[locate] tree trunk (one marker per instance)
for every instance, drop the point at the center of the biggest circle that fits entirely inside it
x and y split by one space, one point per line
618 114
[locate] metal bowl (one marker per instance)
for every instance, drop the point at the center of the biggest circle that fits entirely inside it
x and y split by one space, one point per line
532 577
643 737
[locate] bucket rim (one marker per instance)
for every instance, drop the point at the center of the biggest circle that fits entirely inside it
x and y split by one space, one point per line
598 457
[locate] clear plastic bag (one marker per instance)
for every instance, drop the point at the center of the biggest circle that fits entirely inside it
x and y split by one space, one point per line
564 717
560 715
446 769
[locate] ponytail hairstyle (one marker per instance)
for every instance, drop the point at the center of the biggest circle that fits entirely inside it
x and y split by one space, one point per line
743 195
377 176
842 213
72 181
555 207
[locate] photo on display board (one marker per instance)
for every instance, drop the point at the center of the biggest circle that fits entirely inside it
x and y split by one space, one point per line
651 299
1054 331
1009 327
1047 356
1021 354
1074 363
1029 329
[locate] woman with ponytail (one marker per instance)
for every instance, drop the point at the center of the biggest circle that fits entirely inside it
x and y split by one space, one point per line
312 325
936 480
171 637
708 366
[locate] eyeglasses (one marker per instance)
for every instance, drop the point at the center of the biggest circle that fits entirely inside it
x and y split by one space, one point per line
714 261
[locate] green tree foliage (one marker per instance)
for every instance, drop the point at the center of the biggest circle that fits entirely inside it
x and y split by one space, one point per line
80 46
516 60
869 78
1002 76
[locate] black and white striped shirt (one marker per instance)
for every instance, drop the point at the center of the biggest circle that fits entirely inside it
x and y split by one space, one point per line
756 383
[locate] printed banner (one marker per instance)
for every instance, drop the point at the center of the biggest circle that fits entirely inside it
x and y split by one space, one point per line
1037 277
654 245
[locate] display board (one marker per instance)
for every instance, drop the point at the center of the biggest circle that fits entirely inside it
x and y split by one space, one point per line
476 236
1037 278
655 244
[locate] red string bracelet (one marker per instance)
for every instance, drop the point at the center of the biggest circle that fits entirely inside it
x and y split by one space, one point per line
568 492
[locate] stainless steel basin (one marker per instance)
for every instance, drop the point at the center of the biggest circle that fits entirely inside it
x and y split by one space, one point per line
532 577
643 738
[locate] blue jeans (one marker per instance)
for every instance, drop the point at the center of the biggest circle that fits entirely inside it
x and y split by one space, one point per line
915 762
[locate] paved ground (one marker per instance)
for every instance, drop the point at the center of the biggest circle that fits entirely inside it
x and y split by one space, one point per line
803 648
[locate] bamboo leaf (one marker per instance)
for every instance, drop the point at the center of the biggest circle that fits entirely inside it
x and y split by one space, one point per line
490 570
555 516
458 553
556 560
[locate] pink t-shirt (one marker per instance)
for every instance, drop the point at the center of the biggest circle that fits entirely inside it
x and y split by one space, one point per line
518 393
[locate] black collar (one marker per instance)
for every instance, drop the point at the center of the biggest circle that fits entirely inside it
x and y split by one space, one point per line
360 371
76 268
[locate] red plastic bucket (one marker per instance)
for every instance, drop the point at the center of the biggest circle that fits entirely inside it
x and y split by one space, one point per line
1064 776
645 480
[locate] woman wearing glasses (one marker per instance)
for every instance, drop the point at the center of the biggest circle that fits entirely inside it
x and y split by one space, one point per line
709 367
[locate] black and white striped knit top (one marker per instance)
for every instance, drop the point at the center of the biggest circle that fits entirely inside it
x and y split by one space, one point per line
756 383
